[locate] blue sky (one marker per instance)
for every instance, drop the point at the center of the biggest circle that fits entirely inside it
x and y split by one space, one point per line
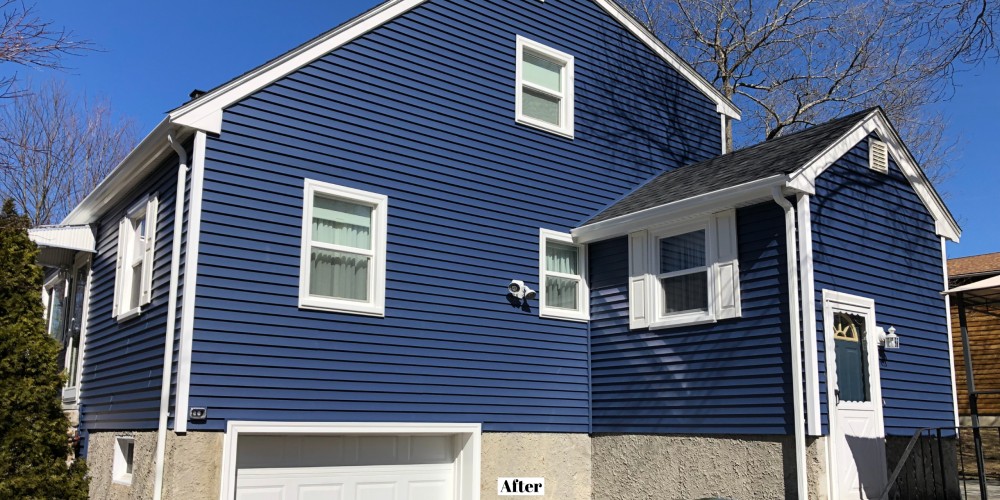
152 55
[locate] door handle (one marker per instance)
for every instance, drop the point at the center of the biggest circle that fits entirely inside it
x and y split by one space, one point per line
836 394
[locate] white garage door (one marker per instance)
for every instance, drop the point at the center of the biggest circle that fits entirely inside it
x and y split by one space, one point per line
345 468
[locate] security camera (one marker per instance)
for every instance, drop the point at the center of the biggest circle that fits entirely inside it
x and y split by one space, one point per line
518 289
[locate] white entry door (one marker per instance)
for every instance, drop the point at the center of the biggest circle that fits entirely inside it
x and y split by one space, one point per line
856 426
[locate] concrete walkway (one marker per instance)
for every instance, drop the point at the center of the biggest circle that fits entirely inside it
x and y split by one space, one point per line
970 490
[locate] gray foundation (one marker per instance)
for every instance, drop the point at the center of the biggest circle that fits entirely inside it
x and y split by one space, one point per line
193 466
564 460
643 466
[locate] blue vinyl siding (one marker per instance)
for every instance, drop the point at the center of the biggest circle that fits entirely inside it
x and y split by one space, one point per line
123 362
873 237
730 377
422 110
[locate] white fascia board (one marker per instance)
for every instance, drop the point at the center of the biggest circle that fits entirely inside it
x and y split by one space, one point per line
723 105
724 198
205 113
140 162
804 179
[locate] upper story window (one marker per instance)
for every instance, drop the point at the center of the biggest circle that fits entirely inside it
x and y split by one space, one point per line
343 249
134 270
562 279
684 273
544 96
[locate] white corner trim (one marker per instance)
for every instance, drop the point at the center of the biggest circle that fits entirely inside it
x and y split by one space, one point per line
951 340
809 340
804 179
723 105
236 428
197 180
722 133
721 199
583 290
205 113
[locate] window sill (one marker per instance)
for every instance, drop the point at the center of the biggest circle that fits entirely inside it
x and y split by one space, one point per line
131 313
362 309
680 320
550 313
564 132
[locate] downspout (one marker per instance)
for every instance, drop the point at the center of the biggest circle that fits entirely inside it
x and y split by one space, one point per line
796 343
168 345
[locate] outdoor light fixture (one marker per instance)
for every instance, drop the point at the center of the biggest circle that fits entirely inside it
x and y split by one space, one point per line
518 289
888 340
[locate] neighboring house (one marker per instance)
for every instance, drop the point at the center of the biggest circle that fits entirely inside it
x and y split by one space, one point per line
983 324
299 280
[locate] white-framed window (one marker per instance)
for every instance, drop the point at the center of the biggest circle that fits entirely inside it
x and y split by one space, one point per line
134 269
121 469
343 249
684 273
544 93
562 277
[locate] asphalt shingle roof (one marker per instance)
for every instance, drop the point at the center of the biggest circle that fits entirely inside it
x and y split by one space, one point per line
783 155
974 265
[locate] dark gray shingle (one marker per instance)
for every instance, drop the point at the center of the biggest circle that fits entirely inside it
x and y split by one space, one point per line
783 155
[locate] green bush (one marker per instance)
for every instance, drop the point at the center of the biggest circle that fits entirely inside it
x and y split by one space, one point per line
34 445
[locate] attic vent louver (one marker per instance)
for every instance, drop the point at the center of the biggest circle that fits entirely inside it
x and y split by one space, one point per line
878 156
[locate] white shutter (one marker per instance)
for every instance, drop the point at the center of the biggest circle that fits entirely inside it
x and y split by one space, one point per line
123 229
638 289
727 266
147 258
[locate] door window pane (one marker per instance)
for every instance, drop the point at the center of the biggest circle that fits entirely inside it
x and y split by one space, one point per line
850 339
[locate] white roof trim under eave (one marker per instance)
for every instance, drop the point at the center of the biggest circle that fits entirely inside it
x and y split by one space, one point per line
804 179
139 162
205 113
722 199
77 238
723 104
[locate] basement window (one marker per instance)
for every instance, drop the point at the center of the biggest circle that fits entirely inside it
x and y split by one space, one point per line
121 470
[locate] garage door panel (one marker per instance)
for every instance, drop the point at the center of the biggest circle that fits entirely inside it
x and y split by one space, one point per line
379 482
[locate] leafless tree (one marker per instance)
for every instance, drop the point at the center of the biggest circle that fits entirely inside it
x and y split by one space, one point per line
30 41
56 147
793 63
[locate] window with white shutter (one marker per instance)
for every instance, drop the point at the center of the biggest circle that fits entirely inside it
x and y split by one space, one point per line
134 268
684 273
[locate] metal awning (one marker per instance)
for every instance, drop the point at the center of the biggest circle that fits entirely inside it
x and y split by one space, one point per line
59 245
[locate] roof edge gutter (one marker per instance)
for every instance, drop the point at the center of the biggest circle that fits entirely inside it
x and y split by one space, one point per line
741 194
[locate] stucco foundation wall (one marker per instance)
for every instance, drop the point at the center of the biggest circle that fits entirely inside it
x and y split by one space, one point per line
644 466
564 460
193 466
931 471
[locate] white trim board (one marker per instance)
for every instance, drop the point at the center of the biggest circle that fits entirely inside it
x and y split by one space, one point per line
808 315
468 456
205 113
804 179
186 338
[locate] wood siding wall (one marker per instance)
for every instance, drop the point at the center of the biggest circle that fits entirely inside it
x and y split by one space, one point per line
422 110
730 377
874 238
983 322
